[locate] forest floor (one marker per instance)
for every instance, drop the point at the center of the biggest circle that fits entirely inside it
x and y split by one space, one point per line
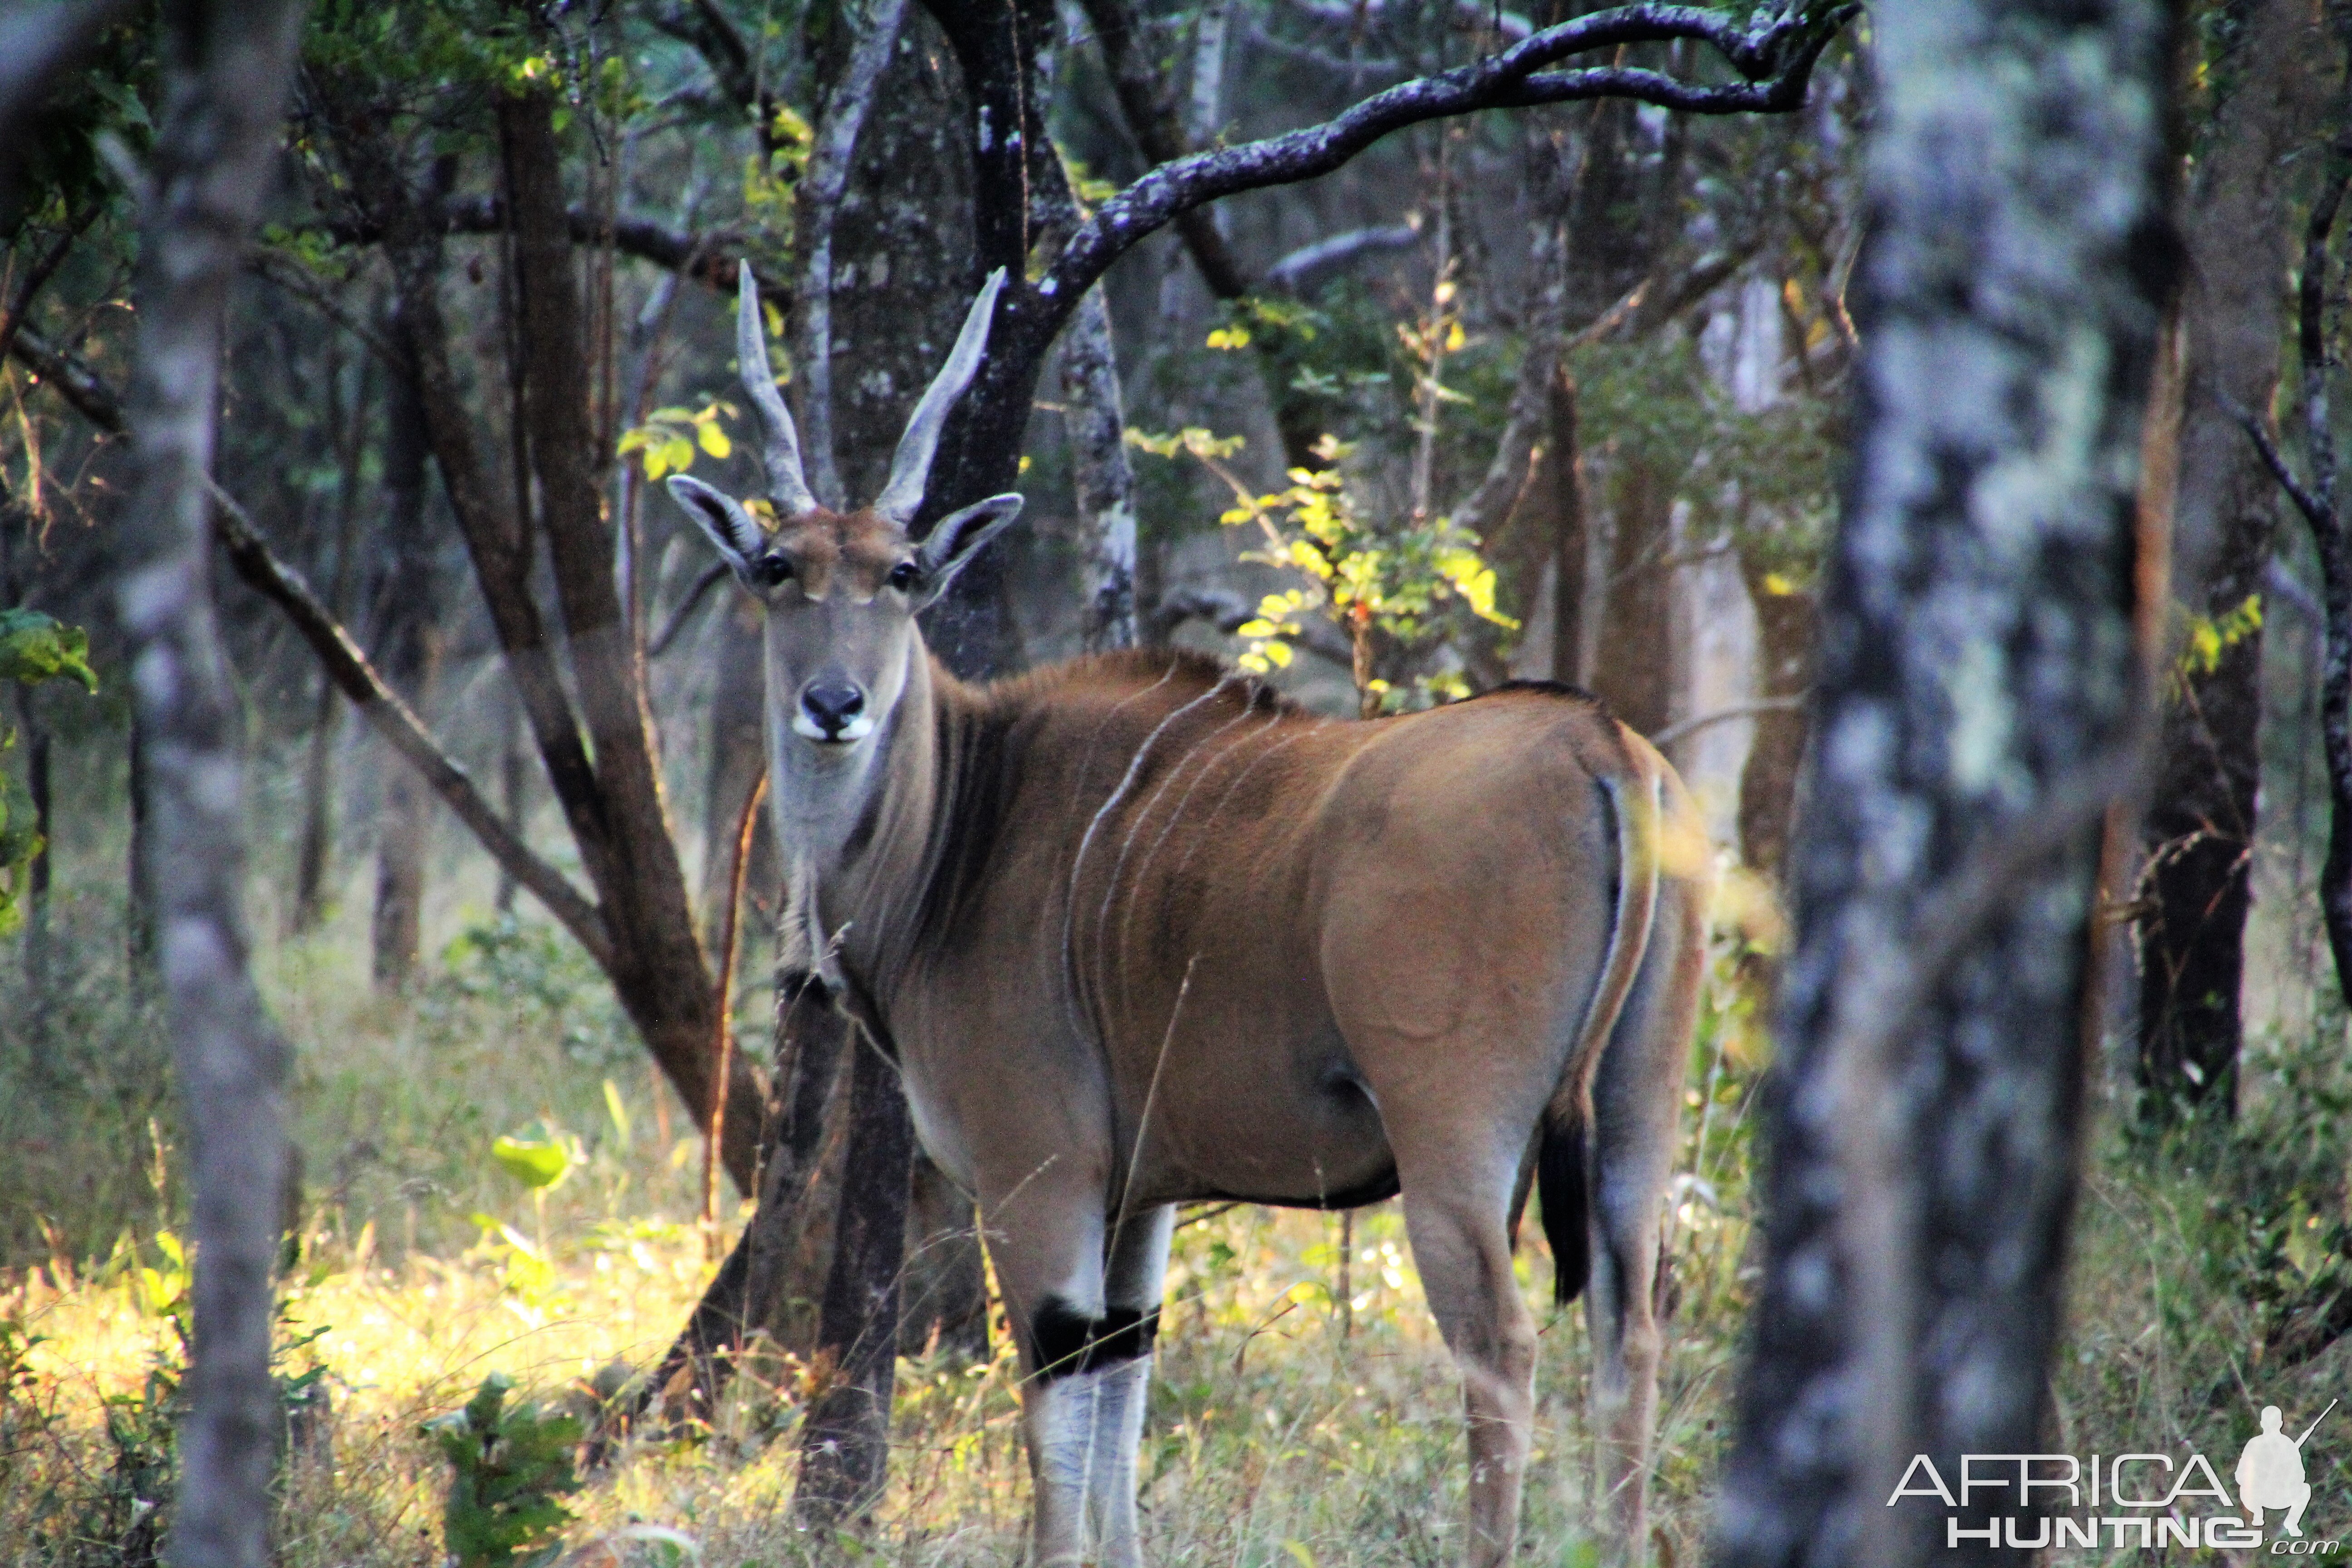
1282 1434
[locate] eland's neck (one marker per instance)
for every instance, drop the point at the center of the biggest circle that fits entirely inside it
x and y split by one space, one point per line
855 833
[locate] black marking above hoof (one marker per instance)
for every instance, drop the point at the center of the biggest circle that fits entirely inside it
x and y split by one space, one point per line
1068 1342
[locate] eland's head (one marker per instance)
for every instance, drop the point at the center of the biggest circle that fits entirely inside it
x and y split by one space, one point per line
841 589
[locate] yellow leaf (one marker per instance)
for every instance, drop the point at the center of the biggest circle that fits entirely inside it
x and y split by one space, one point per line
1776 585
1257 628
1455 338
656 461
1279 652
714 440
1230 338
633 439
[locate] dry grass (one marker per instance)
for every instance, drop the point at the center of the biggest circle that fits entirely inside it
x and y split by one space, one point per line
1273 1441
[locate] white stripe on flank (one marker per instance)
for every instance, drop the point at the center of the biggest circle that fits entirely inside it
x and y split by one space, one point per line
1104 954
1078 861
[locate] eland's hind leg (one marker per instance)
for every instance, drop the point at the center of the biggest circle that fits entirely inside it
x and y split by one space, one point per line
1457 1217
1636 1095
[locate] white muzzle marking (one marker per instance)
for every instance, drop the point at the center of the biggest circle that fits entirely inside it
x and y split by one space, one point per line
860 725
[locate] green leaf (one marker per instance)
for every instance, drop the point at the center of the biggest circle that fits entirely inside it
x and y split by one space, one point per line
35 648
534 1162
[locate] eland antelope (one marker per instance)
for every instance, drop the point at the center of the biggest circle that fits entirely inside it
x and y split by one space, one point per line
1139 932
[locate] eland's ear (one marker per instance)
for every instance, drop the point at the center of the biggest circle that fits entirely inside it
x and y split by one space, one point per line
722 517
956 538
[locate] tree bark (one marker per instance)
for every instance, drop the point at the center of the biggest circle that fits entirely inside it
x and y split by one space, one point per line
1571 534
406 640
1979 710
227 69
1633 670
2198 833
738 758
1785 619
1106 480
845 1438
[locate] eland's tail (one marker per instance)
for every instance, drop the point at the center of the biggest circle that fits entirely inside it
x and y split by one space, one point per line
1563 1182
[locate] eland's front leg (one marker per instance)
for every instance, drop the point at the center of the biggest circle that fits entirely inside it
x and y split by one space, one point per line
1089 1364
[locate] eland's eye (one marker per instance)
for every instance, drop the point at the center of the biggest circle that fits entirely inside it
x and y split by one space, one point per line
904 577
772 571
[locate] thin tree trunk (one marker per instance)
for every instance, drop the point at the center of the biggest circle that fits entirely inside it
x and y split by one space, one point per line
1785 619
35 734
1633 670
514 793
407 650
1979 708
737 759
845 1438
2199 834
1096 427
315 850
1570 540
138 915
226 70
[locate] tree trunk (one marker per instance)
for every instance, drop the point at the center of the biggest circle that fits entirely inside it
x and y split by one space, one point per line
407 651
845 1438
315 852
1785 619
738 758
227 69
1105 481
2199 834
1570 540
1979 710
38 942
1633 670
902 279
514 792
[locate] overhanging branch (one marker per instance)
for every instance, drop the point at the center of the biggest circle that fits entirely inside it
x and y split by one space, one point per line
708 259
349 668
1774 58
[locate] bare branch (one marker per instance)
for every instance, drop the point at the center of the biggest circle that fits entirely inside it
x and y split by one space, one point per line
1227 611
686 608
1146 105
1352 14
1295 271
1356 71
347 666
74 380
708 258
37 277
1691 726
1774 60
2306 502
274 268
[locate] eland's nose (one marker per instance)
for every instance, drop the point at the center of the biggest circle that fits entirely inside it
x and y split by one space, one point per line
833 709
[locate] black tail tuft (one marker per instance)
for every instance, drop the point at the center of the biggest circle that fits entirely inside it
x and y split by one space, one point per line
1560 1186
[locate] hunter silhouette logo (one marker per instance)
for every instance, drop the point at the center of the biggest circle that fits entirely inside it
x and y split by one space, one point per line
2112 1503
2270 1472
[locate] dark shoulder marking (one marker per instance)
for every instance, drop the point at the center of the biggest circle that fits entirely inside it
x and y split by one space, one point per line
978 764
